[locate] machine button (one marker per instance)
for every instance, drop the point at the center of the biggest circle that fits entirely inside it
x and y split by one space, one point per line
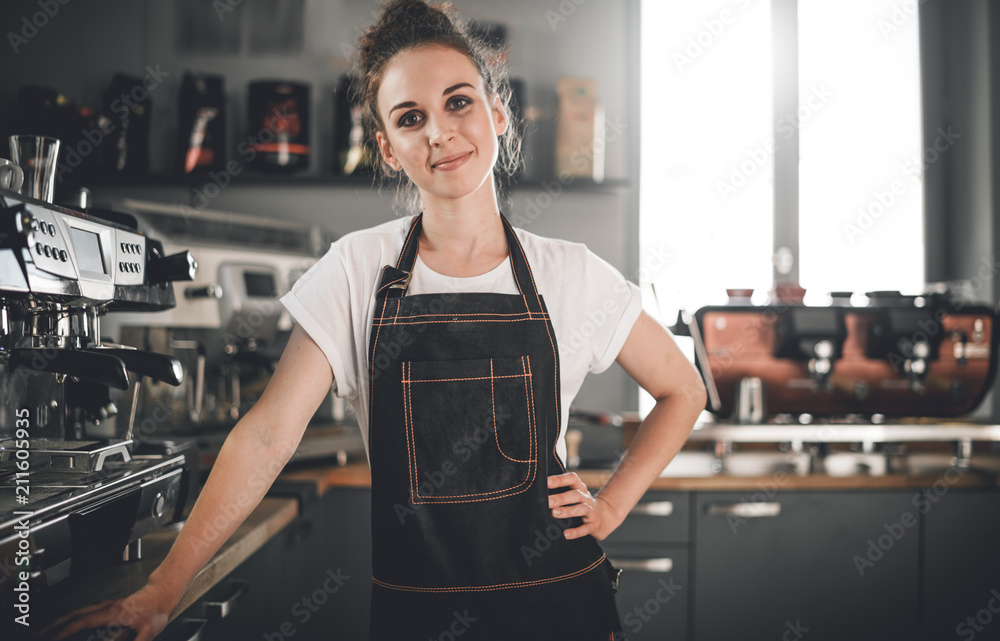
122 245
34 224
158 504
63 256
48 251
52 229
38 248
121 267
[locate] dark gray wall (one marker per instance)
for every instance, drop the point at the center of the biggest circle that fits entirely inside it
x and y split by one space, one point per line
960 59
87 41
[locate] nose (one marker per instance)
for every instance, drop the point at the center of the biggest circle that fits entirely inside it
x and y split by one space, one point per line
440 131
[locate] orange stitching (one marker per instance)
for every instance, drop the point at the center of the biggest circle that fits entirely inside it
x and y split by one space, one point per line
415 489
555 357
471 378
389 283
530 275
535 315
413 227
485 320
411 458
371 383
496 431
497 586
526 364
475 314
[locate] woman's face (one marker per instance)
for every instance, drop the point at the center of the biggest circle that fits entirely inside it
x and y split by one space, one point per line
440 124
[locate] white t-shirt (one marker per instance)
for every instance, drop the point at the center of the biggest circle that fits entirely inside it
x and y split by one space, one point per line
591 305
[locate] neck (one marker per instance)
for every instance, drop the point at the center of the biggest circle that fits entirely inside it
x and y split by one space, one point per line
464 227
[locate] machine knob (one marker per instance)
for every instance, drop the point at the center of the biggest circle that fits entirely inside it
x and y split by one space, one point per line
180 266
158 504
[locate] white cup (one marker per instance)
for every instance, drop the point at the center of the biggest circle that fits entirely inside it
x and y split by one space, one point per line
11 176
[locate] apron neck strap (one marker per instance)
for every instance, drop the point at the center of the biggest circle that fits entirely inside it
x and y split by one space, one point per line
395 280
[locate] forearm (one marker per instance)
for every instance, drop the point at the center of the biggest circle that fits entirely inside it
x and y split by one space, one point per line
659 437
241 475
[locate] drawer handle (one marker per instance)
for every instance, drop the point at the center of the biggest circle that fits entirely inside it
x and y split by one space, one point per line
644 565
745 509
215 610
654 508
197 626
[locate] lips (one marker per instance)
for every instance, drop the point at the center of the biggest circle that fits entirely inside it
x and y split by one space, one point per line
452 162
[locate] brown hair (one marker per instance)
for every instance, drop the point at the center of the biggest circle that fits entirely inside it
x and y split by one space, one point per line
407 24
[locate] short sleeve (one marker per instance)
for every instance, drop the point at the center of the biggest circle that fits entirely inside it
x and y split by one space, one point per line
612 304
320 302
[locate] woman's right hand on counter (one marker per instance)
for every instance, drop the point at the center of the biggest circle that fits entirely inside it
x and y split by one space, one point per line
145 612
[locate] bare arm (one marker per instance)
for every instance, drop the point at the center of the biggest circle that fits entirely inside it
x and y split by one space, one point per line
252 456
652 358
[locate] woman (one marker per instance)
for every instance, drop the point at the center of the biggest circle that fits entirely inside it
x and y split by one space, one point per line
444 331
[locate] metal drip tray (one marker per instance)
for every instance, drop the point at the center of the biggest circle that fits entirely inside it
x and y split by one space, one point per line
76 455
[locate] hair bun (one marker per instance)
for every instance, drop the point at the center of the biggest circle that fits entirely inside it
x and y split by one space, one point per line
404 21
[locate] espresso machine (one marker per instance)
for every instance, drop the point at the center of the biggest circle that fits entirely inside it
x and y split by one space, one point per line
902 356
228 329
71 501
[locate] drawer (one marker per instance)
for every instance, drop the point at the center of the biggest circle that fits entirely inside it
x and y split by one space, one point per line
653 590
659 517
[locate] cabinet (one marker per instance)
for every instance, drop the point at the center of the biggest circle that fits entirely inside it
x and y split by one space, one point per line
961 564
651 548
814 565
312 581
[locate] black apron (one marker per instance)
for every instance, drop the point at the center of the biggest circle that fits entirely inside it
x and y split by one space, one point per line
463 421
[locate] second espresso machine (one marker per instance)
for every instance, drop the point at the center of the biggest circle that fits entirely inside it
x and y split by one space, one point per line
228 329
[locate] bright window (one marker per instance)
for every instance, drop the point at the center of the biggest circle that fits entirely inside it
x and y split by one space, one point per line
710 129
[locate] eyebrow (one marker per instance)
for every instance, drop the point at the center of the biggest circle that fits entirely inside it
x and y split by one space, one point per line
451 89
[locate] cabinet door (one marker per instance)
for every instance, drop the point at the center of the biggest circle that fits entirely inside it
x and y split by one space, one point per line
329 568
653 590
813 565
961 553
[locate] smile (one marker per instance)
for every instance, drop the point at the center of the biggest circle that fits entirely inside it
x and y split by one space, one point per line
452 162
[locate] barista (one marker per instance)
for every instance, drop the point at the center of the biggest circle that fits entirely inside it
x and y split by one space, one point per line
439 328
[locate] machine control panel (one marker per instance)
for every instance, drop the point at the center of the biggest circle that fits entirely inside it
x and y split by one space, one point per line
98 256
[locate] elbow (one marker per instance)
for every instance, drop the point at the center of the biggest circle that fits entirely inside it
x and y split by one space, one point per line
694 394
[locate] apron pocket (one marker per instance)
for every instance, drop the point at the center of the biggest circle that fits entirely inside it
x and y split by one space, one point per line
471 432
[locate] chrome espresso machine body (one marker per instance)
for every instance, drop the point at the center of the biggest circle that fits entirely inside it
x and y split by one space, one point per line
70 502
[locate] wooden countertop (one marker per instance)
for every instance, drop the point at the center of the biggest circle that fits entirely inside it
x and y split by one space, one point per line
273 514
358 475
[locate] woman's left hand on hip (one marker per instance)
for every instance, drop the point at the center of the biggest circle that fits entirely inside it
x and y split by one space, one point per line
599 519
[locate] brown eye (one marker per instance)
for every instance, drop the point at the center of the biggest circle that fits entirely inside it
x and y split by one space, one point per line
409 119
459 102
